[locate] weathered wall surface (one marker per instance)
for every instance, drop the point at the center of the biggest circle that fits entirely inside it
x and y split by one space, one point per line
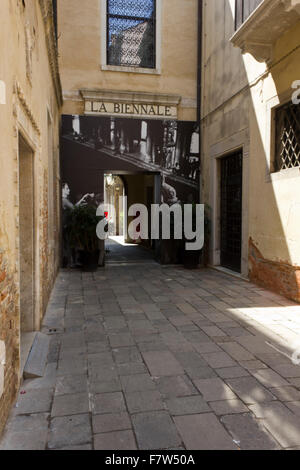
274 225
9 321
238 95
81 38
28 68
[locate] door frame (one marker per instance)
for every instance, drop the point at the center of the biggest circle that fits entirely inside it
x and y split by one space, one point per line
238 142
35 317
224 180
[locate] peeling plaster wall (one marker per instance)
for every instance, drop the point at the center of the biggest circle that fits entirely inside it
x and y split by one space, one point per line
27 69
238 94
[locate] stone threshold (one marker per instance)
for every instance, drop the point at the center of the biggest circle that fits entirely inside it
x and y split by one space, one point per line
26 343
229 272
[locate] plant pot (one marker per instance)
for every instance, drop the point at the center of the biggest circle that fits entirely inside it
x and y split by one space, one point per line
191 259
169 251
90 260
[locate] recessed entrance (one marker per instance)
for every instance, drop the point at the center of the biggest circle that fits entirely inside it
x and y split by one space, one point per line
26 227
121 192
231 211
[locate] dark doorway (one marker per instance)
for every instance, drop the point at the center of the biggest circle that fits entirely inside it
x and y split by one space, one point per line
121 192
26 224
231 211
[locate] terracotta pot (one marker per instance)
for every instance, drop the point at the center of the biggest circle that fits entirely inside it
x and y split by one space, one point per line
90 260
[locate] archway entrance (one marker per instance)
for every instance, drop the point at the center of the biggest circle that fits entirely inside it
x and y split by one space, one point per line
114 195
121 192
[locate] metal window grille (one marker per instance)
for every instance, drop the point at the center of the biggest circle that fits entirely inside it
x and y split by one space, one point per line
243 9
287 137
131 28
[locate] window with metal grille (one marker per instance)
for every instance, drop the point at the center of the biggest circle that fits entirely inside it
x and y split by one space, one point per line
131 33
287 153
243 9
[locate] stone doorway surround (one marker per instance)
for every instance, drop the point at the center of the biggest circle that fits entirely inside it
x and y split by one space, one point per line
229 145
26 128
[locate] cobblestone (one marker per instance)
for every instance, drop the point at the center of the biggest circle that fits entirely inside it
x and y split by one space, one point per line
141 363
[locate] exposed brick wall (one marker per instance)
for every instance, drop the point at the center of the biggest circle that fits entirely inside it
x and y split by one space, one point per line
281 278
46 267
9 333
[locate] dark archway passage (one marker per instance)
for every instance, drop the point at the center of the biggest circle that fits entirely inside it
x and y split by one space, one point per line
120 193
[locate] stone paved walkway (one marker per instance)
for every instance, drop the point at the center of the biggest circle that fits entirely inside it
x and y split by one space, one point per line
150 357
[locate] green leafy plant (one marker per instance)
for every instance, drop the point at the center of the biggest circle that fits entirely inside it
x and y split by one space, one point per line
81 224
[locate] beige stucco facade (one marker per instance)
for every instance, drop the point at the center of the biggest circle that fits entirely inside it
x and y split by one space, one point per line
30 101
82 48
239 96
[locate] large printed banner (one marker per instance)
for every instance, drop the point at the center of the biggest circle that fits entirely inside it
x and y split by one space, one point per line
93 146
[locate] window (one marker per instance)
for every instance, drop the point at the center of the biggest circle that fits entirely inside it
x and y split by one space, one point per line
131 33
243 9
287 147
54 4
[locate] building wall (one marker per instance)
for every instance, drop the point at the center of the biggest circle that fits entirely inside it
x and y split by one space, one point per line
238 94
29 111
81 55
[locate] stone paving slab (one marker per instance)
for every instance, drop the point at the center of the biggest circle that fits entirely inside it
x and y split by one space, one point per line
111 422
280 422
155 431
162 363
151 357
108 403
27 432
228 407
214 390
69 431
118 440
34 401
249 433
204 432
249 390
66 405
181 406
175 386
138 402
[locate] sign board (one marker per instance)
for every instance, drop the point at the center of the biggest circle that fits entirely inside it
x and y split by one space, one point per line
137 110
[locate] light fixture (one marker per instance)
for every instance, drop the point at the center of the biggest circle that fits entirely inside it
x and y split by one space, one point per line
109 180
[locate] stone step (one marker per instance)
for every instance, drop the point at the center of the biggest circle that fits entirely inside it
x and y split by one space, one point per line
37 359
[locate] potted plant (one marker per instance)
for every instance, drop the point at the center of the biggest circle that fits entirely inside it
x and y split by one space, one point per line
207 231
191 258
81 224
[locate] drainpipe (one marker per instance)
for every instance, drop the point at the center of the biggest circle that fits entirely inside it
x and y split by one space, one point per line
199 82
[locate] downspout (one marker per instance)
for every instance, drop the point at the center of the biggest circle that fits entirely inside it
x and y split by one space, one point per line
199 83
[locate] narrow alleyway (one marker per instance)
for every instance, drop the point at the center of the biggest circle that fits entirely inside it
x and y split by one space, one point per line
152 357
118 252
